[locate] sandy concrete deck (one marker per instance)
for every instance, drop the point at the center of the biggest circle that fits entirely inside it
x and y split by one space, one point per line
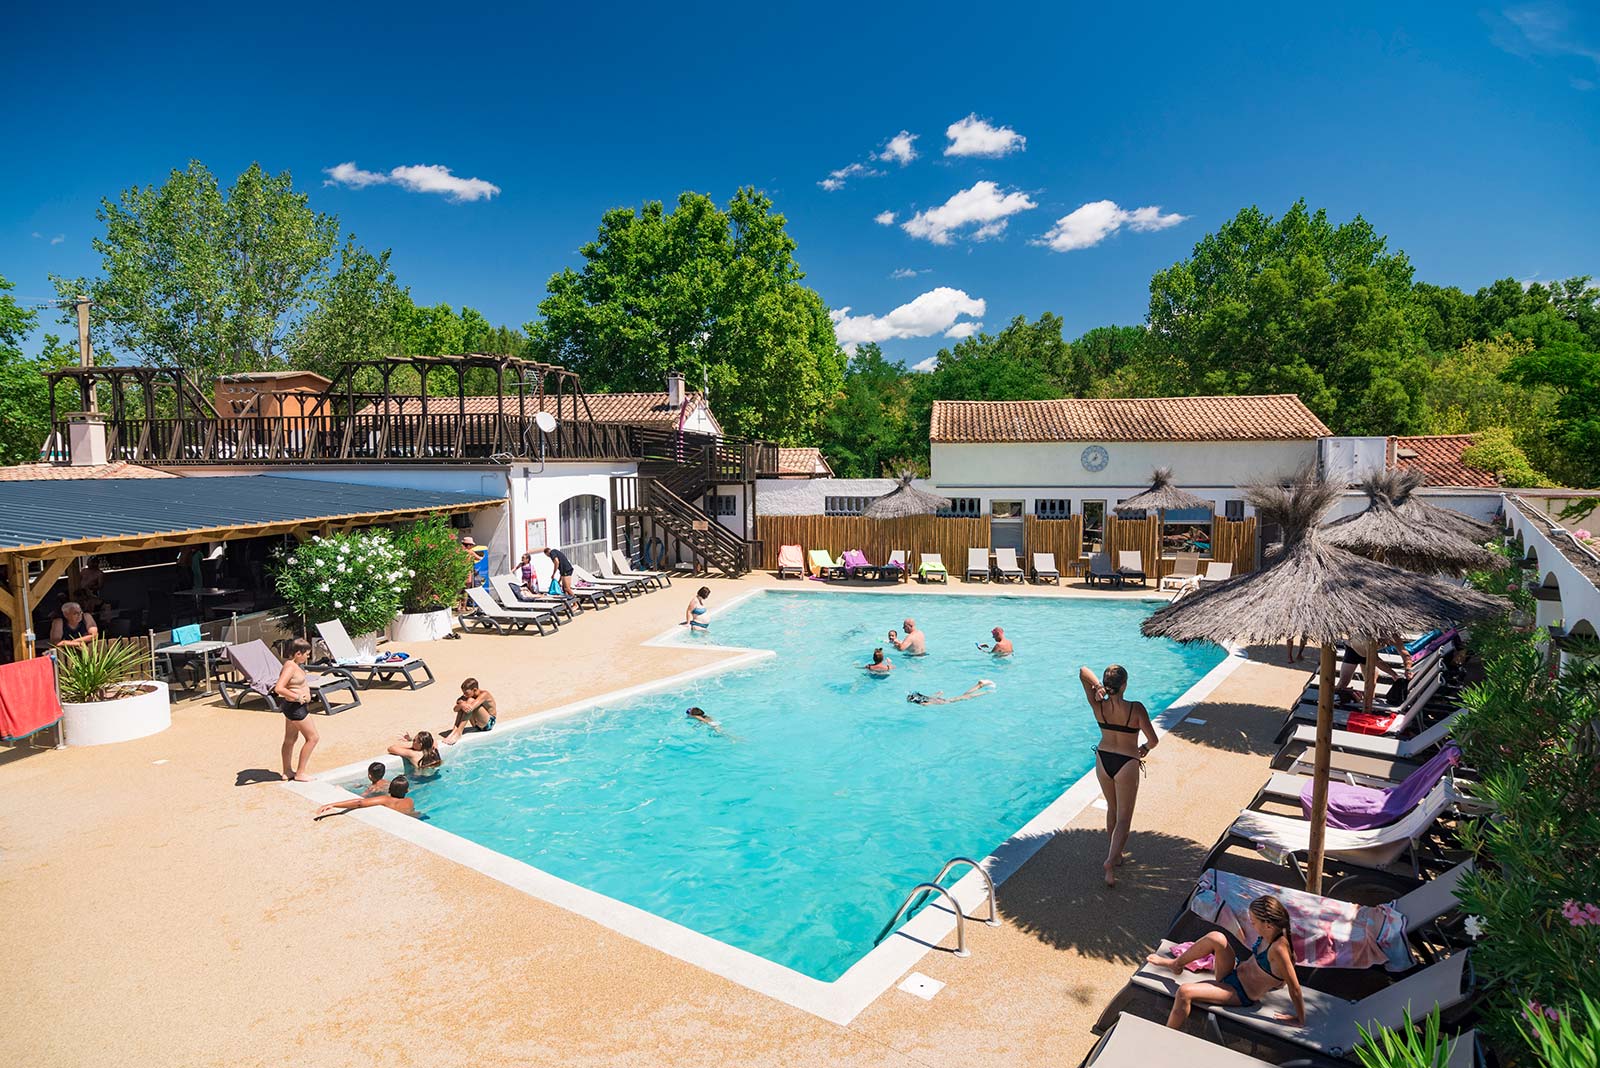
167 904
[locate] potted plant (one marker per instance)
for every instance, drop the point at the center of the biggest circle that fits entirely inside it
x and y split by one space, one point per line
104 697
439 568
358 578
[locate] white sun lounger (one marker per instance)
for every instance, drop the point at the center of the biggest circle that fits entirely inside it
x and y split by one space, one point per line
929 565
631 588
1382 746
1044 567
637 583
624 567
899 563
344 655
489 614
1005 564
1285 836
506 588
1185 571
977 564
1421 692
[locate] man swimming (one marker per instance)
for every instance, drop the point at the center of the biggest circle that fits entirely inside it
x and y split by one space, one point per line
1001 646
699 713
978 689
913 644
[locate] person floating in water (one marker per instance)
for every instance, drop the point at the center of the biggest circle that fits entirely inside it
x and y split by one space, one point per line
915 643
694 615
395 800
979 688
699 713
1001 646
881 665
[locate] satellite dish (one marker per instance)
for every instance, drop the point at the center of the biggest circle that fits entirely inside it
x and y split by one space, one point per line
544 421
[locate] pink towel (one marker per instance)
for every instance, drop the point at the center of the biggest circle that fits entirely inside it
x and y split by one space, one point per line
1325 933
28 702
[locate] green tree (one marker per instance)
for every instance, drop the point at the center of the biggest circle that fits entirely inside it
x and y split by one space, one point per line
358 313
1562 361
24 394
207 279
1495 450
864 430
714 294
1296 305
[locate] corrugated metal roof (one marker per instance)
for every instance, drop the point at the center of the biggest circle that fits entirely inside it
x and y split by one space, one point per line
44 513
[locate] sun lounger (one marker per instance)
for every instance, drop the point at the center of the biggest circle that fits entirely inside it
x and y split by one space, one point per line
897 561
856 565
1333 1025
1006 566
1215 572
1185 570
508 589
1376 745
824 566
489 614
622 567
1044 567
791 561
623 587
1134 1042
977 564
931 566
1100 570
1353 806
1130 565
1385 718
259 669
636 584
544 578
343 654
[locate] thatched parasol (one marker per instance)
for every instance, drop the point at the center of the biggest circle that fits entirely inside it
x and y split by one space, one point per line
1406 485
1316 591
1162 496
905 500
1414 540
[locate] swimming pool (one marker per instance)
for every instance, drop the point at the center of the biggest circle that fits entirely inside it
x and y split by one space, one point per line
795 833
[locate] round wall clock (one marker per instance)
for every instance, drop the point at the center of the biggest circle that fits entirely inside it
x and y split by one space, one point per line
1095 458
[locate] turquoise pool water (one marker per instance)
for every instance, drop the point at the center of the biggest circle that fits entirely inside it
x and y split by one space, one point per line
796 833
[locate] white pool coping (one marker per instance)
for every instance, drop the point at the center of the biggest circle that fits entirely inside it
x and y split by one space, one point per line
839 1001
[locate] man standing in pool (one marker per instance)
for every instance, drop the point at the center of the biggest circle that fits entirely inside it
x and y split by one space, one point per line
1001 646
395 801
913 644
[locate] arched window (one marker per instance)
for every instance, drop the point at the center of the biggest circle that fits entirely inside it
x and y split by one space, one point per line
583 528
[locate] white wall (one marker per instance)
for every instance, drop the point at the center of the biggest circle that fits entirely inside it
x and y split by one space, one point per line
536 495
1058 466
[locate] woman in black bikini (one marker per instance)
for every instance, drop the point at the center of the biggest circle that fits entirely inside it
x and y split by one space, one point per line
1119 755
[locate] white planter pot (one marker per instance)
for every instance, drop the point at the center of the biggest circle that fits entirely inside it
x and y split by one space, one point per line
366 644
126 718
422 626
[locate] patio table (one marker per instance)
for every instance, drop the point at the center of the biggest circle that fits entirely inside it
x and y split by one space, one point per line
202 649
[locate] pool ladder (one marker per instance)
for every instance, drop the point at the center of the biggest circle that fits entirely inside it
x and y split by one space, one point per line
920 892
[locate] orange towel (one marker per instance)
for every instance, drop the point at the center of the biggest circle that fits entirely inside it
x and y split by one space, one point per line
28 702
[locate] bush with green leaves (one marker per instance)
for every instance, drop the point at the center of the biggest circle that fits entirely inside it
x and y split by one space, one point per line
1424 1046
439 565
1565 1041
359 578
100 670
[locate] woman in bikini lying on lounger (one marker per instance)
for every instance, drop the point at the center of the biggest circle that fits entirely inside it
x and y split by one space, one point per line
979 688
1119 756
1243 976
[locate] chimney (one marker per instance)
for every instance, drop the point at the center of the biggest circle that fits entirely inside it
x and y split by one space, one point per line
674 389
86 438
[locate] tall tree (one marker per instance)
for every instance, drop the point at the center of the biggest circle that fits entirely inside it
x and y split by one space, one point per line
1296 305
863 431
714 294
24 396
207 279
357 313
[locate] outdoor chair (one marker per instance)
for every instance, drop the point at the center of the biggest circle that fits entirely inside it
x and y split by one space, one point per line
931 566
791 561
856 565
625 587
1385 718
1134 1042
1044 567
897 562
1130 565
1185 570
977 564
1383 746
593 596
824 566
489 614
622 567
259 670
636 583
1215 572
1006 566
1362 804
508 588
1100 570
342 653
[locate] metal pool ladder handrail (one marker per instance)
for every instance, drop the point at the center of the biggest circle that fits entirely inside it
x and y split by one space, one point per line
953 862
961 921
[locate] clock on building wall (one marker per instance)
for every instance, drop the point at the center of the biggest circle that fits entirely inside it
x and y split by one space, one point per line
1095 458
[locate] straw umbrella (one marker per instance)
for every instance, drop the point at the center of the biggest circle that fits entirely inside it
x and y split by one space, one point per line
1407 482
1414 541
1311 589
905 500
1162 497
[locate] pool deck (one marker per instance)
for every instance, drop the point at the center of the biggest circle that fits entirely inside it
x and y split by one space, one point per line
167 902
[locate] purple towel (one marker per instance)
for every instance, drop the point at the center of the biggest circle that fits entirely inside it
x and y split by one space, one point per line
1360 808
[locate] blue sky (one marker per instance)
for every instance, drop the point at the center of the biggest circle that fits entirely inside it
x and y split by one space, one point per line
1471 136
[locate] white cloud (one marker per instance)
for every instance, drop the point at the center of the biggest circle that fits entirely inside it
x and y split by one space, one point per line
934 312
927 366
908 272
983 206
884 218
973 136
964 329
836 179
56 240
901 148
1094 222
414 178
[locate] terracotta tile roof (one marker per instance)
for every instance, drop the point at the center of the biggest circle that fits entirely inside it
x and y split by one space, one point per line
802 463
607 407
1281 417
1438 457
64 473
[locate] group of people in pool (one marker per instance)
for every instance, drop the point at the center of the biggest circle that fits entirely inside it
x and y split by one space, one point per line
914 642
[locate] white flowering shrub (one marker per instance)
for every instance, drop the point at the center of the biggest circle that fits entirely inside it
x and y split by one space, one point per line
360 578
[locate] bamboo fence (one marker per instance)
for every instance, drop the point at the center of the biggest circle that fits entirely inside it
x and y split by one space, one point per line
917 534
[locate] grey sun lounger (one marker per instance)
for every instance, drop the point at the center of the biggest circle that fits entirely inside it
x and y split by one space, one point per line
343 654
1333 1025
259 669
1044 567
1383 746
977 564
1100 570
1417 697
1134 1042
489 614
506 589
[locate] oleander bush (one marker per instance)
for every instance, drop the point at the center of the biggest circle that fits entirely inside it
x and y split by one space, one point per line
440 566
360 578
